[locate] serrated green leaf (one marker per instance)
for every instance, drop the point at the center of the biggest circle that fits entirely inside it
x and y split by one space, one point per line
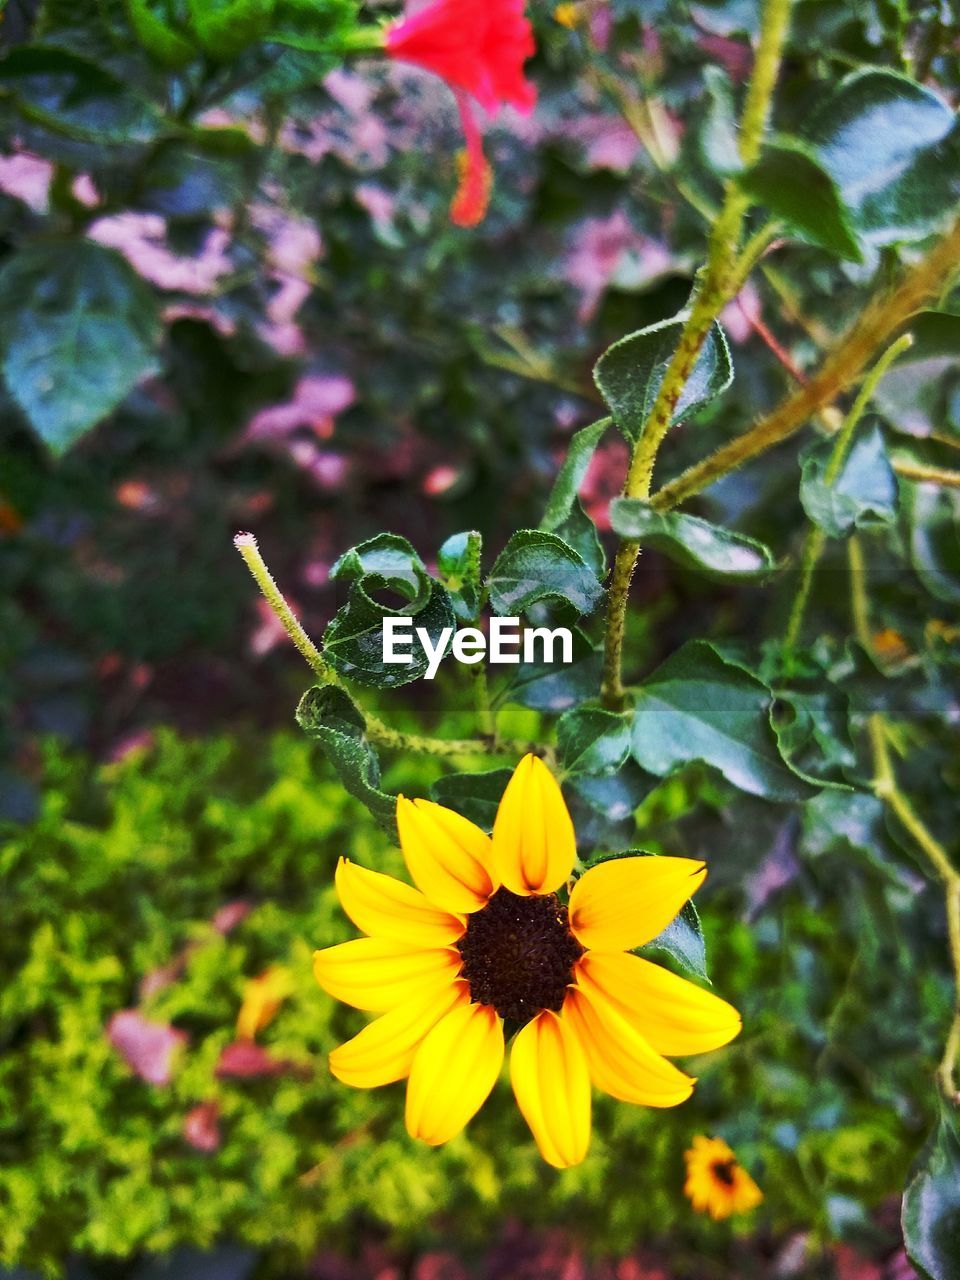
536 566
893 149
931 1202
591 740
563 495
330 716
693 542
790 181
474 795
864 493
394 562
78 329
353 640
701 706
629 373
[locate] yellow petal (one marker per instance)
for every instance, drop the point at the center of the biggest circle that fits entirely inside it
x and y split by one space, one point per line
621 1062
447 856
453 1072
383 1051
533 841
379 973
623 903
551 1082
388 908
671 1014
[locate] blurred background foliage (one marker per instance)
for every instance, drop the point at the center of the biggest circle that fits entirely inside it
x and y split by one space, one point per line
252 236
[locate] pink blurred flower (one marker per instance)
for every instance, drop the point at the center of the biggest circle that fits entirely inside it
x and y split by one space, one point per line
26 177
201 1127
148 1048
317 399
245 1059
141 238
606 249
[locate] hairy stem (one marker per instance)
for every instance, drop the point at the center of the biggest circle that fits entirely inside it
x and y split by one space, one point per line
843 366
246 544
721 277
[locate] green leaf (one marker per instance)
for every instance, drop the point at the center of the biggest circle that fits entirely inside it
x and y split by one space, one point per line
314 26
564 514
474 795
629 373
384 566
692 542
332 718
893 149
683 941
194 176
458 561
563 495
353 640
914 395
591 740
812 733
73 96
791 182
226 27
554 686
718 137
865 492
392 560
536 566
933 527
163 42
701 706
931 1203
78 330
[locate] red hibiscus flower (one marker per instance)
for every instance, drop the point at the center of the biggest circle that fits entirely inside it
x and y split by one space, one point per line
479 48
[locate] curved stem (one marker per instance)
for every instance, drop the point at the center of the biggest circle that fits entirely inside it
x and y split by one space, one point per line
887 790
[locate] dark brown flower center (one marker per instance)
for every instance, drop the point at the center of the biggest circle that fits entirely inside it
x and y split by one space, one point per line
722 1170
518 954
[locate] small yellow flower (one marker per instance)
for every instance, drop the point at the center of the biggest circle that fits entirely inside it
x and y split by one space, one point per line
716 1183
484 942
568 15
262 998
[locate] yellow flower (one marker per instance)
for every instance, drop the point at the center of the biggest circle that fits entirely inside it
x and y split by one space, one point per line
716 1183
484 941
568 15
262 998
